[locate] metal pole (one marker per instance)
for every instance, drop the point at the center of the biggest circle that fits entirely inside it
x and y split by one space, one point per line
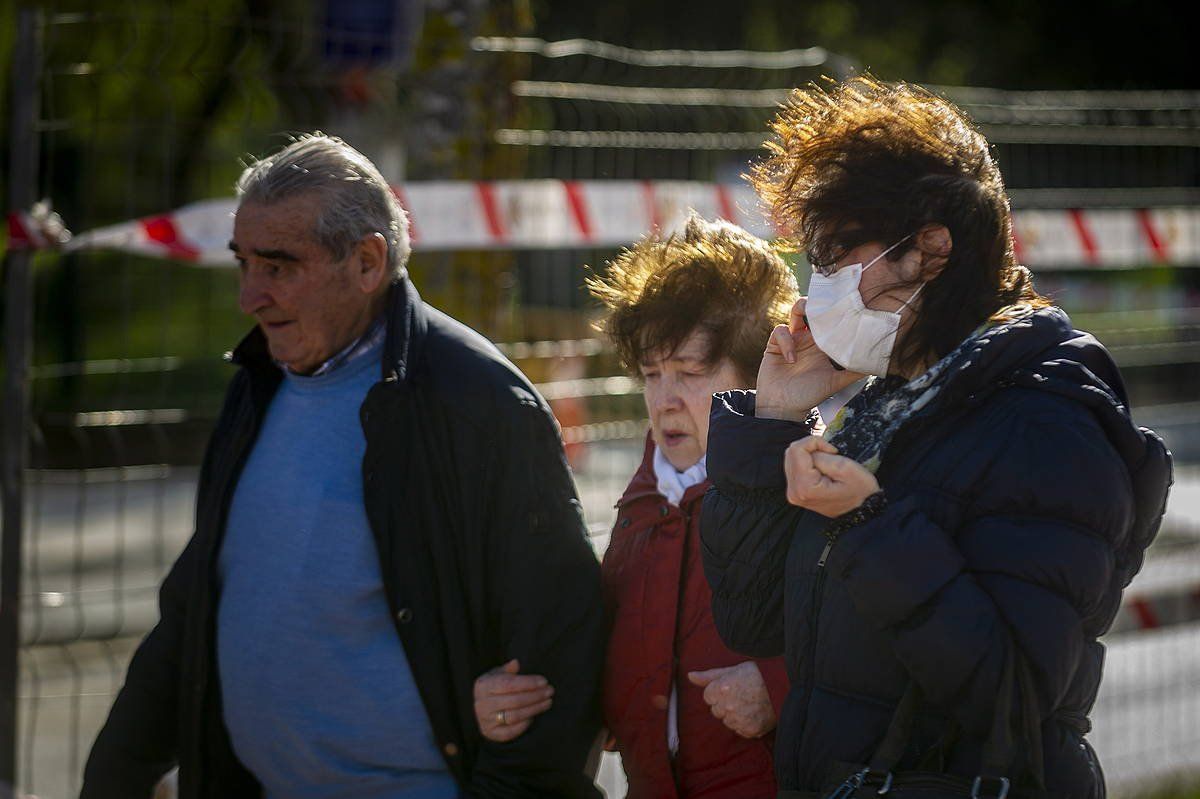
18 324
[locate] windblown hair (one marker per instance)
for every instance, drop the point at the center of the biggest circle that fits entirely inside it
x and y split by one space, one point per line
356 201
714 277
866 161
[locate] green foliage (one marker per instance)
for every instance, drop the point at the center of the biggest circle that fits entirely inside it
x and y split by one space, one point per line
1017 44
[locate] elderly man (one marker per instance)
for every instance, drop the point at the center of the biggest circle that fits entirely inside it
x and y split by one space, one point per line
384 512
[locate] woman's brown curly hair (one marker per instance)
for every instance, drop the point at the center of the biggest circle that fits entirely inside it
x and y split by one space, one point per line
713 277
879 162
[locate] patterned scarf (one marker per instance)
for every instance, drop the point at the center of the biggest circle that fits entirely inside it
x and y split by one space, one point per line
864 427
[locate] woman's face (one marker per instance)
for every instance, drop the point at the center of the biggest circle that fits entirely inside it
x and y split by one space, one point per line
885 286
678 392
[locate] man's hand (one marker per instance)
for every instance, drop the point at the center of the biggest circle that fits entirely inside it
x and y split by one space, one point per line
738 696
795 376
507 702
823 481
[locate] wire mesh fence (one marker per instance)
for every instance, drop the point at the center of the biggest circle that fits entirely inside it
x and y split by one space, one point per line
142 112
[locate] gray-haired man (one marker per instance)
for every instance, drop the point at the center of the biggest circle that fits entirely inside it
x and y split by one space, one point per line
383 513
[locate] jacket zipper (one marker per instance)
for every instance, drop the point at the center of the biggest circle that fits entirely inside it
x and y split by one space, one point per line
816 602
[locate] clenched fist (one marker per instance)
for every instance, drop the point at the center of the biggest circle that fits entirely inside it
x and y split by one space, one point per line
820 479
738 696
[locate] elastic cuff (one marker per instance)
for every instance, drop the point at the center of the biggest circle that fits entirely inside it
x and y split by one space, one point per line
871 507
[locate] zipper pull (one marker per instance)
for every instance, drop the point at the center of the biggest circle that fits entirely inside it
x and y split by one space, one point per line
825 553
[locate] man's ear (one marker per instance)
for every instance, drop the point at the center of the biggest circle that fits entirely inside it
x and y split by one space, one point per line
370 263
935 245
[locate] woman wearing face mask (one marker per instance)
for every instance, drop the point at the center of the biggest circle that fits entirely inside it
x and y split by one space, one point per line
690 718
936 568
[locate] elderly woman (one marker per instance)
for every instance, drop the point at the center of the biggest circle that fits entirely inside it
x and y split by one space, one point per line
960 536
691 718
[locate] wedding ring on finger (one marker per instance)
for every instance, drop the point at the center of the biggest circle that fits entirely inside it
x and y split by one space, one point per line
500 718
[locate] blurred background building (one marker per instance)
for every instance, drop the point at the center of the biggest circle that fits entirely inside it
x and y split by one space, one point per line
625 114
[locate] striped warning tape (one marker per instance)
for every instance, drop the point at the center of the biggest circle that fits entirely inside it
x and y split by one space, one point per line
557 214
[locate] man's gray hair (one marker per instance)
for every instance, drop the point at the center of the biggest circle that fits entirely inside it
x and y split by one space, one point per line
355 200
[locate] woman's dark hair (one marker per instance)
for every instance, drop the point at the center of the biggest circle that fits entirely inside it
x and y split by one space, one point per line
880 162
714 277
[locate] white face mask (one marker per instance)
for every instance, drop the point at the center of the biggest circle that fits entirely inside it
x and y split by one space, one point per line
854 336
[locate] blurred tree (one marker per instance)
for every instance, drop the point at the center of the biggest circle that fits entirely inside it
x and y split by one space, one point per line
1016 44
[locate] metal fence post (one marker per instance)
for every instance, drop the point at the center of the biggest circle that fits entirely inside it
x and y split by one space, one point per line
18 318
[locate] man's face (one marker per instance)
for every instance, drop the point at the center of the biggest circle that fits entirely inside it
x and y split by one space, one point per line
679 389
308 305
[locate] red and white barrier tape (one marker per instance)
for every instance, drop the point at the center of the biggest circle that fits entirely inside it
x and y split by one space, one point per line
556 214
38 228
1141 611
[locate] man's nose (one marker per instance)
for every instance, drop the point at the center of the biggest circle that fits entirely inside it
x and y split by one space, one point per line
252 294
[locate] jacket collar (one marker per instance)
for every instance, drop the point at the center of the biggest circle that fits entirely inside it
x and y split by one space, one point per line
645 484
403 345
1043 351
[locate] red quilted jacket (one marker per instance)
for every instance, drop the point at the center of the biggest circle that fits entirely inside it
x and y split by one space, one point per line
660 609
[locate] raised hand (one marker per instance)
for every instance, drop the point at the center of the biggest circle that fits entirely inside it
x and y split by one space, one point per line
737 695
820 479
506 702
795 376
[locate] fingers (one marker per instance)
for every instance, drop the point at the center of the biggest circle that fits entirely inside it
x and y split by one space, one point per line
787 340
526 713
503 733
503 717
796 320
781 342
716 695
802 467
824 482
703 678
511 703
495 683
511 667
814 444
835 466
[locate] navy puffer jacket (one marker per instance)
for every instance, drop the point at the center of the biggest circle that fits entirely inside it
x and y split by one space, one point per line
1019 506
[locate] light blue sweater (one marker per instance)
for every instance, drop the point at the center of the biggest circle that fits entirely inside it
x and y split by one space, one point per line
317 692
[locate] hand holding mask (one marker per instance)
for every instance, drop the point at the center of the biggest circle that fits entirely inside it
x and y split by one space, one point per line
795 375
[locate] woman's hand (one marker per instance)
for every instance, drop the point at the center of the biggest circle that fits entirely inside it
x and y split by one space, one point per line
823 481
737 695
507 702
795 376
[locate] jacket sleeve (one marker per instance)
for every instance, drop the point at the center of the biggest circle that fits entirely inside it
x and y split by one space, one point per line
550 613
137 744
1030 566
746 523
774 674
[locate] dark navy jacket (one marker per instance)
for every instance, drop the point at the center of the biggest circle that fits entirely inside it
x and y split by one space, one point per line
1020 503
